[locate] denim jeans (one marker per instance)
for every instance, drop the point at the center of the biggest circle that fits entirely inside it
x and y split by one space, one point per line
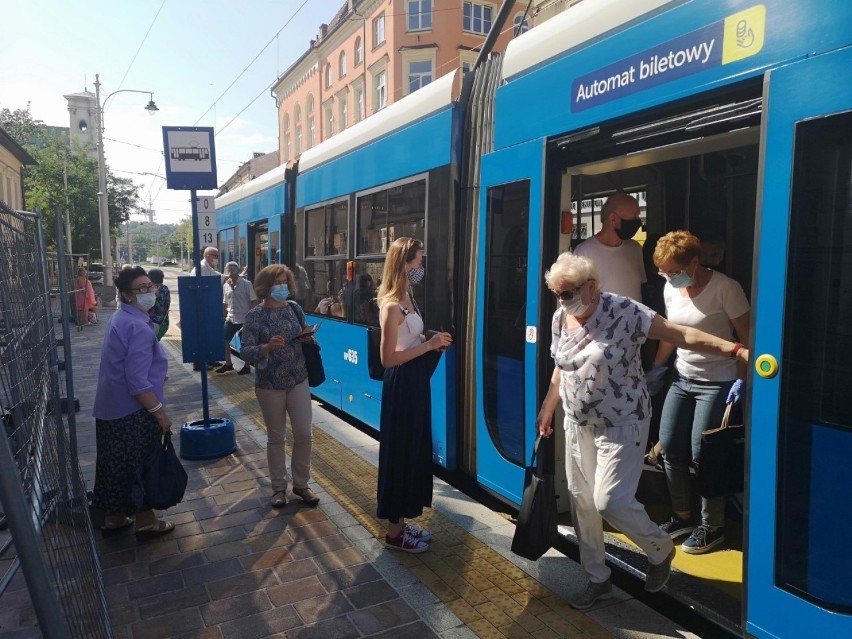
691 407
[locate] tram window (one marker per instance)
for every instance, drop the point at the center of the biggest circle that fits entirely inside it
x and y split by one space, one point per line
815 424
505 299
383 216
326 230
274 242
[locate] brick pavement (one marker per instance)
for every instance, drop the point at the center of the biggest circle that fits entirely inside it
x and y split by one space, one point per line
235 567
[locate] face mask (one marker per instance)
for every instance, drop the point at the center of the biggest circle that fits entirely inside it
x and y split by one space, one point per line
145 301
681 280
415 275
280 292
628 228
575 306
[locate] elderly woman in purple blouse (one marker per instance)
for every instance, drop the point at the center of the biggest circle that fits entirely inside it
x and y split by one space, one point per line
129 415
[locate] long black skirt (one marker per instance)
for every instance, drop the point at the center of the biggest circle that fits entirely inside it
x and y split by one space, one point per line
405 439
123 447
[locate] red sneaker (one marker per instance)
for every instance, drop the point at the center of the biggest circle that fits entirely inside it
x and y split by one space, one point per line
406 543
417 532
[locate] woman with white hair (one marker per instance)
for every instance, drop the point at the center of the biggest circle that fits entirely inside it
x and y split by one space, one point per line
596 337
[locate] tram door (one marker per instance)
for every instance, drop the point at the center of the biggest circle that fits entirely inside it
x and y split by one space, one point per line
800 488
258 248
509 280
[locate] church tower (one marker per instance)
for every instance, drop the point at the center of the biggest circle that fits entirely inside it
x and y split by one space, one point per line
83 118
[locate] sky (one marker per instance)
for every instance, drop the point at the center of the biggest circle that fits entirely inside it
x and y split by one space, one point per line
206 62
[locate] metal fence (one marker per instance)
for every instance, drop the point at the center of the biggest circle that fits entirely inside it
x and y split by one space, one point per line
50 535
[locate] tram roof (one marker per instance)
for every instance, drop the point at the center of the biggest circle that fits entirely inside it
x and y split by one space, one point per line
432 98
574 27
261 183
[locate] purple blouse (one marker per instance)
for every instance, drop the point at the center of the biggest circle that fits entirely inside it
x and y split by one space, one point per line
132 362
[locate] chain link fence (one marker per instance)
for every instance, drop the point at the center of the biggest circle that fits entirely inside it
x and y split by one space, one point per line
49 535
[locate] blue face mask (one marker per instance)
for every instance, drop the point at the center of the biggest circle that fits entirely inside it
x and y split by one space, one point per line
280 292
681 280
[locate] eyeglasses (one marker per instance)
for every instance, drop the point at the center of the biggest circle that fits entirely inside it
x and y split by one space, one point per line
568 295
144 288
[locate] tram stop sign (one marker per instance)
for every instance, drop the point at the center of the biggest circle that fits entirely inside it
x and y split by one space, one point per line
190 157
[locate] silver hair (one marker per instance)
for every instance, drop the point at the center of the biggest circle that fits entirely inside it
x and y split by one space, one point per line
570 271
230 265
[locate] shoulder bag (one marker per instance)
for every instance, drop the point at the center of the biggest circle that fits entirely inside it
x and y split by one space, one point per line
313 362
164 477
536 531
721 462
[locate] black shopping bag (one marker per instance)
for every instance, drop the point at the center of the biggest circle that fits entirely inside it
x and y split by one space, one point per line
721 462
164 479
313 362
536 530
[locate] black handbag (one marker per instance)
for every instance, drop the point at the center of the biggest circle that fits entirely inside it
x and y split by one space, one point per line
164 478
536 531
721 462
313 362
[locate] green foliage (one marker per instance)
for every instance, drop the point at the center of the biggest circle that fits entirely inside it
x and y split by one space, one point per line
44 183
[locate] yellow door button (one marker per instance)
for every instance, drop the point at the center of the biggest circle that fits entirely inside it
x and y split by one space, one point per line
766 366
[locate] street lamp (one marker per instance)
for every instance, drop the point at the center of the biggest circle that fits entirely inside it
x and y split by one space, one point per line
103 206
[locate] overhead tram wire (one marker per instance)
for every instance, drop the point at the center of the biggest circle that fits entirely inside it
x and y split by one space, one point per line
141 44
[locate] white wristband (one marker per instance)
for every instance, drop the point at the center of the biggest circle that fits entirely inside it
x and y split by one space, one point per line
156 408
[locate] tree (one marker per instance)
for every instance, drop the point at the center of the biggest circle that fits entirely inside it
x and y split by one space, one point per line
44 182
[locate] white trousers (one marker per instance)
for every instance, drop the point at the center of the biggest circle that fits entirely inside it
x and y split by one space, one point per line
603 466
275 406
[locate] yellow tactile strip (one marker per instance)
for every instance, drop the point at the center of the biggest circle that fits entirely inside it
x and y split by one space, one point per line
492 596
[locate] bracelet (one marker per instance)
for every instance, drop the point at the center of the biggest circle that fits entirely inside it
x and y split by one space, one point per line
155 409
736 349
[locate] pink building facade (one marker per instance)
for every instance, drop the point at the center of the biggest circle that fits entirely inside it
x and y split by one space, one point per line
374 52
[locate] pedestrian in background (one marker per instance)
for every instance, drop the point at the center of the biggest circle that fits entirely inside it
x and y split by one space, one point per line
405 433
159 313
238 298
270 340
130 417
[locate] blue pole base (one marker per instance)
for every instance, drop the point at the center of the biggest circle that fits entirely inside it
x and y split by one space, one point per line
198 441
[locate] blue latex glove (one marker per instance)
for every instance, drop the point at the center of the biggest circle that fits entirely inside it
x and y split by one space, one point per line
655 378
736 392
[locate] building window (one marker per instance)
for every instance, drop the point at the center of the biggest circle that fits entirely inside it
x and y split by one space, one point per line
297 117
419 74
359 51
341 66
521 25
359 104
329 119
476 18
419 15
312 127
285 127
343 113
329 76
378 30
381 90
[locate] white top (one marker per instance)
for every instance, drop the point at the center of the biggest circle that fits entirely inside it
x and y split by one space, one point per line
206 269
410 332
710 311
621 268
602 380
237 299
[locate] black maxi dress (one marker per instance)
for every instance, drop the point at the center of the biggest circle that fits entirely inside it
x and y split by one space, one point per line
405 438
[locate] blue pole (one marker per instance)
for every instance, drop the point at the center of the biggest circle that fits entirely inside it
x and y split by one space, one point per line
196 251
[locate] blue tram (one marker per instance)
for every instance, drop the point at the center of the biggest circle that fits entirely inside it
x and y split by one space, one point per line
731 119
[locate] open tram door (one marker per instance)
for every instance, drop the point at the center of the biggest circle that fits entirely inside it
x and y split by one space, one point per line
508 339
800 432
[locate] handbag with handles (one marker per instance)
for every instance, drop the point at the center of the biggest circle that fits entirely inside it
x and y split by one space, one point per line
313 362
721 463
164 478
536 531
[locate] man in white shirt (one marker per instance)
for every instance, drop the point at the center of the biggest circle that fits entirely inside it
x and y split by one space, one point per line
617 256
238 297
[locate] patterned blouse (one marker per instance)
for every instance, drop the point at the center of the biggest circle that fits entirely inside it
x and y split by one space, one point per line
283 368
602 379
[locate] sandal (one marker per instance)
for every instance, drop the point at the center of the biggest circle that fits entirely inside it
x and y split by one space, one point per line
158 528
654 459
306 495
279 499
117 524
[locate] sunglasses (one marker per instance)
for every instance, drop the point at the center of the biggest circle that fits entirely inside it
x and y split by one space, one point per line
568 295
